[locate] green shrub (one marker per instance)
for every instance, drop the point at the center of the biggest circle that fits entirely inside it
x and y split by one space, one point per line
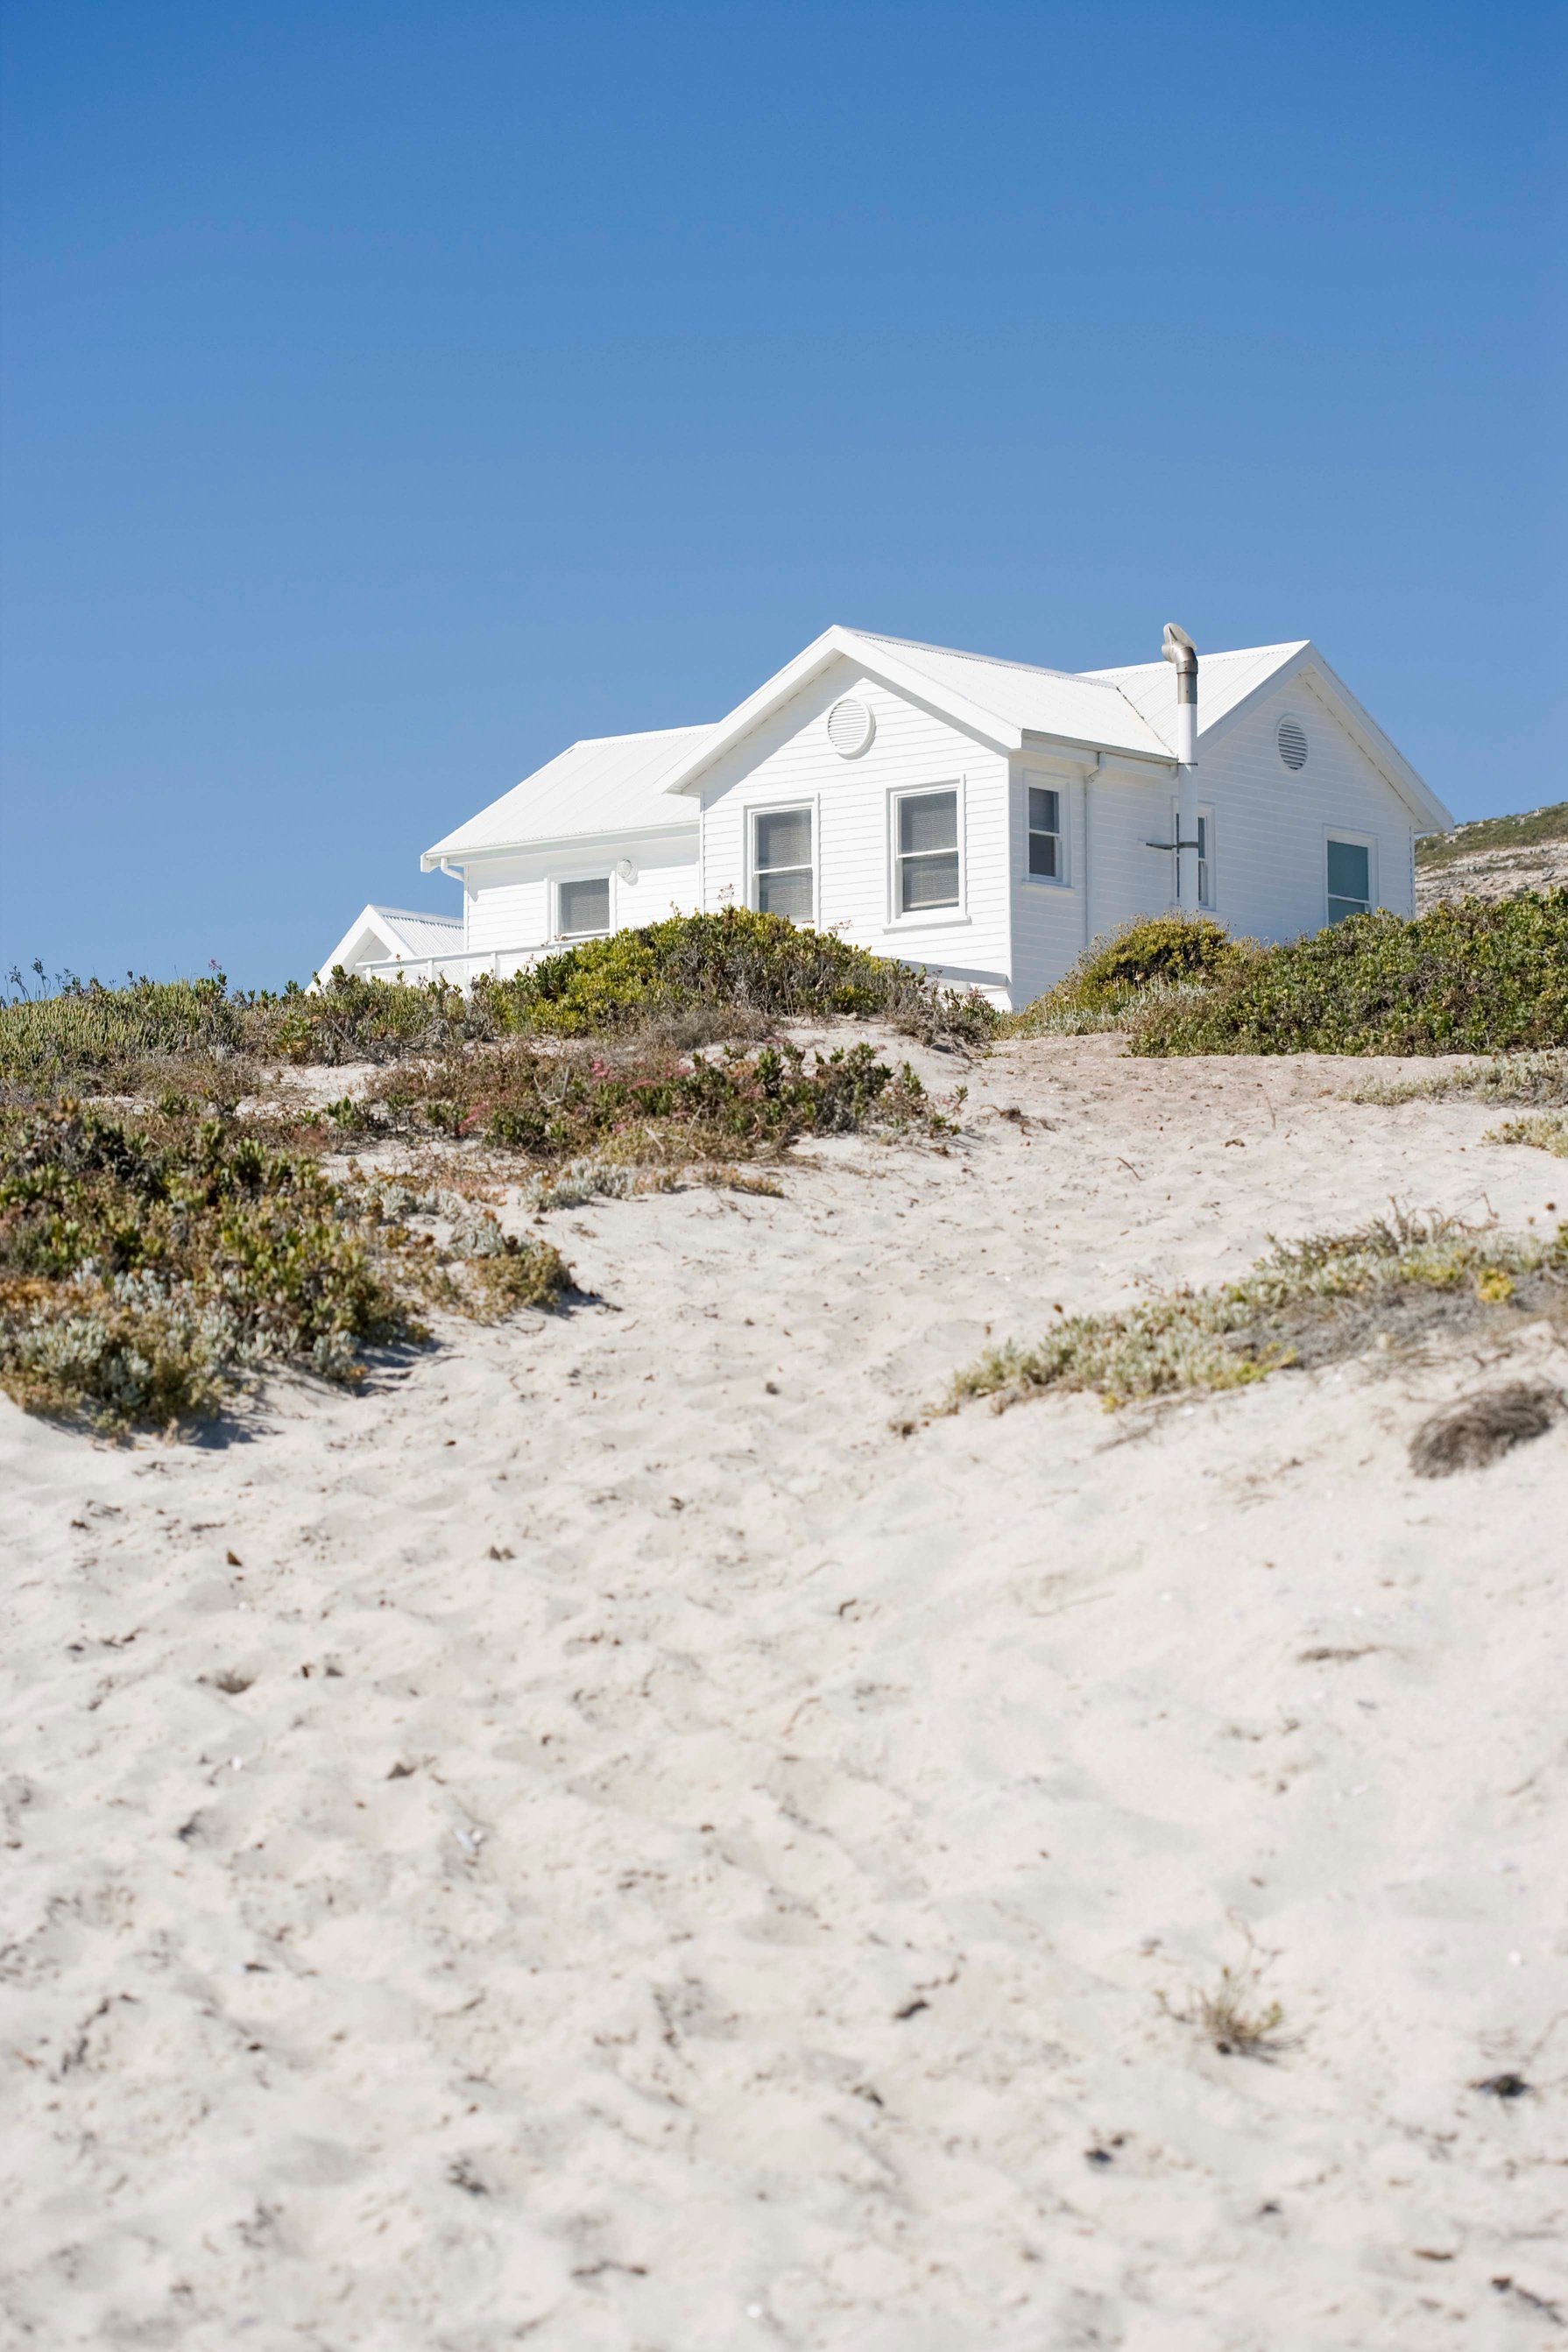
554 1104
1468 978
148 1266
1117 973
754 962
696 969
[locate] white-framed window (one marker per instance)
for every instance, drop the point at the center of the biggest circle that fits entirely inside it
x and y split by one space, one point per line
582 906
1207 856
783 863
928 862
1350 874
1047 822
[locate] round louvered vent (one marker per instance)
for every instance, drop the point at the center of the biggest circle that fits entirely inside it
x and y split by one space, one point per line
850 727
1292 741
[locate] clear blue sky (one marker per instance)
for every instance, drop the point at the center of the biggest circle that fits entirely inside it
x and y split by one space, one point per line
393 392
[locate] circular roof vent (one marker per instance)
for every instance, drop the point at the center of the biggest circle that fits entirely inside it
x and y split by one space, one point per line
1292 741
850 727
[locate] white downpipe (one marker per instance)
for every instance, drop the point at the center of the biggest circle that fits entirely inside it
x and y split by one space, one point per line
1179 648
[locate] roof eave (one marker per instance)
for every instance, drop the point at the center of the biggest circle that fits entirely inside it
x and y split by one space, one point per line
473 853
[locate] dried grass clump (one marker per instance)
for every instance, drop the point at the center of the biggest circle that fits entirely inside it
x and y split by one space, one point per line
1308 1302
1481 1429
1508 1078
1547 1130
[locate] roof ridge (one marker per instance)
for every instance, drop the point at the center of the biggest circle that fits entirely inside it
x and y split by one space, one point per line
995 661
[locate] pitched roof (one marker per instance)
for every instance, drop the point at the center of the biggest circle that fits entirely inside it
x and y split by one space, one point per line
606 783
1087 709
1224 681
417 934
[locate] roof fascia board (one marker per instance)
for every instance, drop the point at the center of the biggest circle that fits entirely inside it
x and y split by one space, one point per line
1092 748
835 643
657 829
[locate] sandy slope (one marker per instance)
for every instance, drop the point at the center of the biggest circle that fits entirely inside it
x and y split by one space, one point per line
690 1867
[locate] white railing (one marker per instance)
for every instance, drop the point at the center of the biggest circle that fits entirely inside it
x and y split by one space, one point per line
474 960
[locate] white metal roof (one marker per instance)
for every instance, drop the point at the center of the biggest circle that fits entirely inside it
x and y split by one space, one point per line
395 931
606 783
1057 702
1224 681
417 934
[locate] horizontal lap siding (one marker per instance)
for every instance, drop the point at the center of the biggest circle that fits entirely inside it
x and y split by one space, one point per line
510 902
1271 822
789 757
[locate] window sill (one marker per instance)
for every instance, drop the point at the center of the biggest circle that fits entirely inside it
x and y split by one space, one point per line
942 919
1047 881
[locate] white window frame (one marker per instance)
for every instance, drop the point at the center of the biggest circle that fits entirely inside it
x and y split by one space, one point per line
1043 780
810 805
1352 840
927 919
603 874
1205 812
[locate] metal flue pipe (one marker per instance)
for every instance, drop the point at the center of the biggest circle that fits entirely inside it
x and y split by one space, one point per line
1179 649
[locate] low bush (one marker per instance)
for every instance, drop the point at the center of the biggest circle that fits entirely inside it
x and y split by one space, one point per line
1308 1302
554 1104
1468 978
148 1266
693 978
752 962
1117 973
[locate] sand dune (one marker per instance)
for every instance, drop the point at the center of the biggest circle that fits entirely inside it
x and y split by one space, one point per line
601 1841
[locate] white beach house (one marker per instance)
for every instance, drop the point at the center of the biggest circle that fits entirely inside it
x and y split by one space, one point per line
985 819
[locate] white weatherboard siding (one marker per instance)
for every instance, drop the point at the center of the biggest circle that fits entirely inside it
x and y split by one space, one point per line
1271 823
788 760
511 902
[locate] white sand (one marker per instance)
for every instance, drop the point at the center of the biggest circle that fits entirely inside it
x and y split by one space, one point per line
690 1867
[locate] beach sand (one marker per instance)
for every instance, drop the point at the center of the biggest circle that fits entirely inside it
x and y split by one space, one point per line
628 1835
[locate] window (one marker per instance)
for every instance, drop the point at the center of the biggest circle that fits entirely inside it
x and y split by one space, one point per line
926 858
781 863
1046 862
1350 880
582 906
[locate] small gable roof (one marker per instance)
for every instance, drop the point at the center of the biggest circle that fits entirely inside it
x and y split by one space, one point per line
606 783
397 931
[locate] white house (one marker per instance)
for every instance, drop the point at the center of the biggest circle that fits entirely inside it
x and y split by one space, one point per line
985 819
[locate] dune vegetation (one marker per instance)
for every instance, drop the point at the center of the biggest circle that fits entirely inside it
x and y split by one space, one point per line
177 1216
1468 978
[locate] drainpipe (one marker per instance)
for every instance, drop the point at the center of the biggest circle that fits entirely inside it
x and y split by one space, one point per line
1179 648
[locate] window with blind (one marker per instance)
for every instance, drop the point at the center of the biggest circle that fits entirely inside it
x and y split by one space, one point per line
782 880
925 860
1048 860
1349 878
583 908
